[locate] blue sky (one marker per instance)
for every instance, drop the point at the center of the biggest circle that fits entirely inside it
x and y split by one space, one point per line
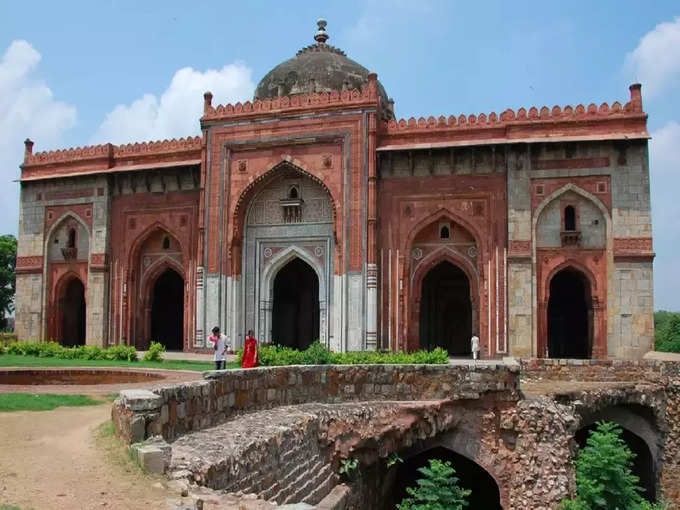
75 73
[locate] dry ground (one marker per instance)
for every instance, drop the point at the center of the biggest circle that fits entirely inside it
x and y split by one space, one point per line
62 460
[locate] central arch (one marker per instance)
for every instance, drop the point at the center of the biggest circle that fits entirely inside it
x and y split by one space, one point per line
295 314
446 310
167 310
570 315
72 310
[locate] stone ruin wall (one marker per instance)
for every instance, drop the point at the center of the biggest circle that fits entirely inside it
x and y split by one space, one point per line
522 441
174 410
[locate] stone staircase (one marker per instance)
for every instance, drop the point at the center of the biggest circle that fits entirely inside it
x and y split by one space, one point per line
274 454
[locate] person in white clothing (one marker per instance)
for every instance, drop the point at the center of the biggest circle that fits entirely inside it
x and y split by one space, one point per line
220 344
474 341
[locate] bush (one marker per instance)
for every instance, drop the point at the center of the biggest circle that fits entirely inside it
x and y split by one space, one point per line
437 490
155 352
55 350
317 354
603 474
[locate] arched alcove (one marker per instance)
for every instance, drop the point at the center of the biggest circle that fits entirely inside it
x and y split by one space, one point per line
167 310
295 315
446 310
570 315
72 312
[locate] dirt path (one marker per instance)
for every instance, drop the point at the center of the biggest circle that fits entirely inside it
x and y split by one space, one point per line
51 460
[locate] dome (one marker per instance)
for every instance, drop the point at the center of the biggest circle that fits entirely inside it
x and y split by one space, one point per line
317 68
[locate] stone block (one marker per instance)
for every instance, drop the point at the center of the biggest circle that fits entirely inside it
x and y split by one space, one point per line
152 456
140 400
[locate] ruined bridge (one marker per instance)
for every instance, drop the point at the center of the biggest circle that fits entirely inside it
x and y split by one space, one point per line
511 430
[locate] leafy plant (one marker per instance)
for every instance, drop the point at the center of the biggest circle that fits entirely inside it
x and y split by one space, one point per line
155 352
437 490
604 479
318 354
348 468
394 459
55 350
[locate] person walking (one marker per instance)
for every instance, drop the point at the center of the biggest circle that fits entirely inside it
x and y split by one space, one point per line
250 359
220 344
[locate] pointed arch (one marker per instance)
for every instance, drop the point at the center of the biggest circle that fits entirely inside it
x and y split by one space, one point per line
414 271
145 234
579 191
262 180
441 214
599 290
60 221
140 282
70 321
266 290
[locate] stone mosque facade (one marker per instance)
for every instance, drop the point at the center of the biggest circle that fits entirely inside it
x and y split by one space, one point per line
312 212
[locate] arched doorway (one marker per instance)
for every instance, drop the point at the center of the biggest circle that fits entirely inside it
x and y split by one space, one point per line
73 313
295 314
570 316
485 492
167 310
446 310
643 466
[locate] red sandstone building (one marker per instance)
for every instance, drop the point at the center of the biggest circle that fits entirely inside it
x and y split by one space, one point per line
312 212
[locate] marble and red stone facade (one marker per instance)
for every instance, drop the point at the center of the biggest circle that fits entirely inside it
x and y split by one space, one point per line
386 186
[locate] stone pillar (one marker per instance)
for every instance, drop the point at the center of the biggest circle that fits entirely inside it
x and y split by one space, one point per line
372 307
520 282
98 270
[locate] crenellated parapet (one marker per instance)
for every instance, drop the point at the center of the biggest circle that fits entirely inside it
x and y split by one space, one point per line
85 153
554 123
190 143
300 102
109 157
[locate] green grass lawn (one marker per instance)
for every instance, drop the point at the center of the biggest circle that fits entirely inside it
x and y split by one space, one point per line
15 360
43 401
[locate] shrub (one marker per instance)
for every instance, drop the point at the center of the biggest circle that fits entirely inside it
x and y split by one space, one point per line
603 474
121 353
437 490
317 354
155 352
55 350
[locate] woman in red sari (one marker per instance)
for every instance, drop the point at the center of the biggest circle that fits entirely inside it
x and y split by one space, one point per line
249 359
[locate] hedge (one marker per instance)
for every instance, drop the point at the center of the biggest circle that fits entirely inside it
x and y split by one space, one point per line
317 354
55 350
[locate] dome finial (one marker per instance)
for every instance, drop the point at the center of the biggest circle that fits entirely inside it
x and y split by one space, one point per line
321 34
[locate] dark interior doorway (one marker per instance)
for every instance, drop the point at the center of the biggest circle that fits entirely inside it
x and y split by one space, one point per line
295 315
167 310
643 463
446 310
570 317
73 313
485 492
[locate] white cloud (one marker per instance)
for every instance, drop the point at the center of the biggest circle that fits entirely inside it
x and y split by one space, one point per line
27 109
656 61
664 155
177 111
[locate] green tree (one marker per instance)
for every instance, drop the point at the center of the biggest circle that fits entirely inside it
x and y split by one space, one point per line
667 331
437 490
604 479
8 258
